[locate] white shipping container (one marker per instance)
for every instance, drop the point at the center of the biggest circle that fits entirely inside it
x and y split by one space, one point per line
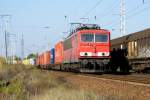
32 61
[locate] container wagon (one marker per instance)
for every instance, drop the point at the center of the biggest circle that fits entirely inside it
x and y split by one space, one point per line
58 55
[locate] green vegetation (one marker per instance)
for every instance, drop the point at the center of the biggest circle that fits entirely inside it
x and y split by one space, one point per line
32 55
17 58
18 82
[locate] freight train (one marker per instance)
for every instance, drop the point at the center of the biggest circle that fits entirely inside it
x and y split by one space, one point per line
86 49
137 46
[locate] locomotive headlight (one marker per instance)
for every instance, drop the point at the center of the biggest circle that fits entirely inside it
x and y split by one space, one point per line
107 53
85 53
103 54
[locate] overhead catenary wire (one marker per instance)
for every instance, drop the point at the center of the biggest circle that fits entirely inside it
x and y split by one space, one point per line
109 12
111 7
103 15
132 14
127 18
95 6
137 7
138 12
115 22
90 10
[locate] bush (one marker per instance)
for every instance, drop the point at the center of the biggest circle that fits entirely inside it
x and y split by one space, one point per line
29 83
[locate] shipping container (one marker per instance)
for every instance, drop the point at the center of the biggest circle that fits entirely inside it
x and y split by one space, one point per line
41 59
46 58
59 53
26 62
32 61
52 52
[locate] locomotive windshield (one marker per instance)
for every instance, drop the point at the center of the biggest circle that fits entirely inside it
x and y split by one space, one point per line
94 37
101 37
87 37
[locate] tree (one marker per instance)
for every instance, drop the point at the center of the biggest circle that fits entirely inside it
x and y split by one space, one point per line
32 55
17 58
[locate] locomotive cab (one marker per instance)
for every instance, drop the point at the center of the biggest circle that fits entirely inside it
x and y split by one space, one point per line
87 49
94 49
94 44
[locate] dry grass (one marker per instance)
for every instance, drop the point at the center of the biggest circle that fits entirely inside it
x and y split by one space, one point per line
2 61
18 82
63 93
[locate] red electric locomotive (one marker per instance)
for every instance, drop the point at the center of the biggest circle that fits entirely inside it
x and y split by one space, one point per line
86 49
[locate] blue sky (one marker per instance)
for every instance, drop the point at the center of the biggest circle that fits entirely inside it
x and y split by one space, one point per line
29 17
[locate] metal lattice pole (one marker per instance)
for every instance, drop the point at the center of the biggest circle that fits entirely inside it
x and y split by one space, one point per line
22 46
6 21
6 46
122 18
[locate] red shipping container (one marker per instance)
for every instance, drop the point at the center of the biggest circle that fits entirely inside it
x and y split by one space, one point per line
46 57
41 59
59 53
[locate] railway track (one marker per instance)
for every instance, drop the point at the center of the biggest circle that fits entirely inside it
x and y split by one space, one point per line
127 87
137 78
134 79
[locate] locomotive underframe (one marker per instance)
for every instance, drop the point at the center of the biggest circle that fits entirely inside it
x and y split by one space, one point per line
86 65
